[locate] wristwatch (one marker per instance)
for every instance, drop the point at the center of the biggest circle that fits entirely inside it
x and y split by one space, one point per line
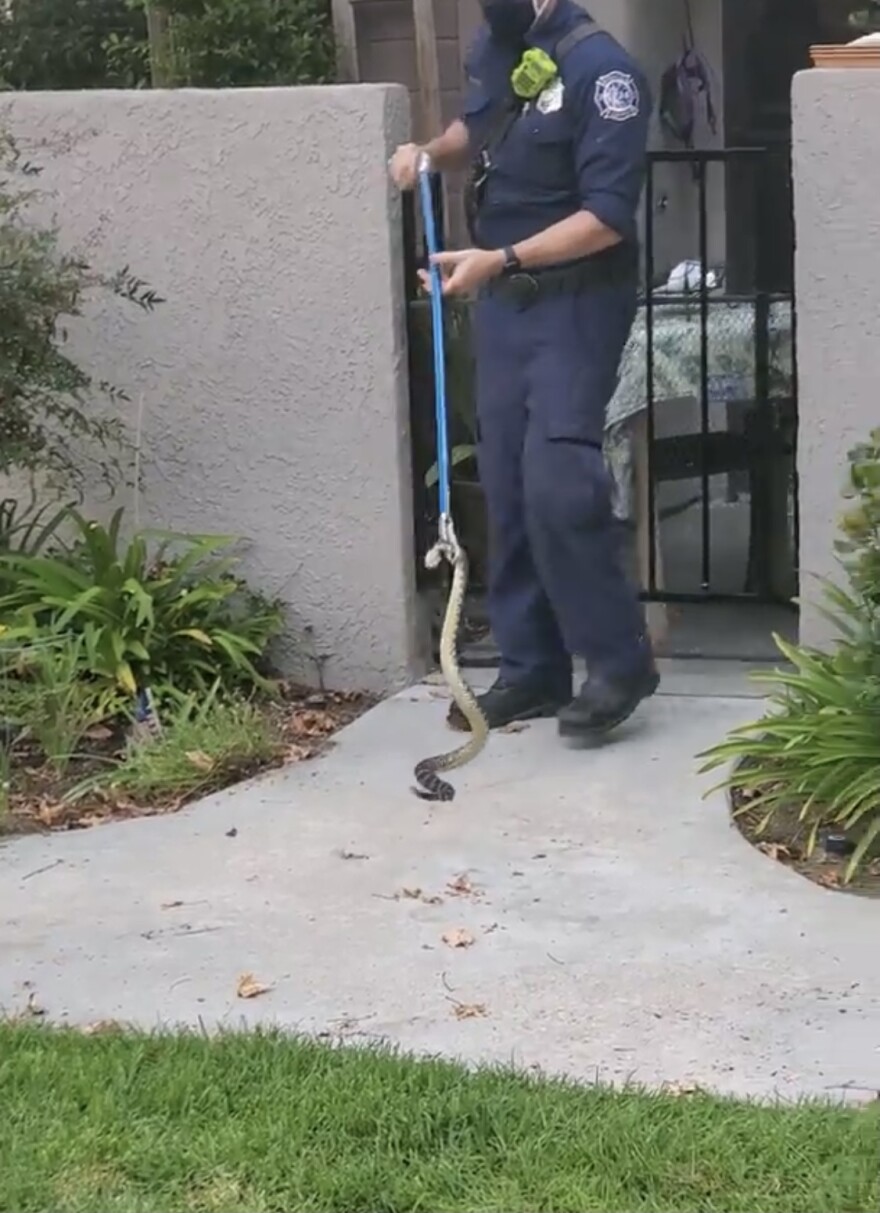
512 263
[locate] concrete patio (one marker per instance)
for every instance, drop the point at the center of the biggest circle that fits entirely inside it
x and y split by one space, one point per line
622 929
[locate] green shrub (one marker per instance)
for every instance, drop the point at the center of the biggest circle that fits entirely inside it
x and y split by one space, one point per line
47 422
175 617
77 44
817 749
46 690
243 43
62 44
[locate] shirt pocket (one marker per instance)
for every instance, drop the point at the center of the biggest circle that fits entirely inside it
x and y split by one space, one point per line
546 151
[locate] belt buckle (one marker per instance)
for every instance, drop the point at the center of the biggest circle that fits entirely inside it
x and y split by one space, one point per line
523 288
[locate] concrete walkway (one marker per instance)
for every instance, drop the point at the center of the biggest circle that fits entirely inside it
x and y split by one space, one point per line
622 929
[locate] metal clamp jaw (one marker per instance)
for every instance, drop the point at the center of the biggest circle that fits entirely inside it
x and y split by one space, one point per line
447 546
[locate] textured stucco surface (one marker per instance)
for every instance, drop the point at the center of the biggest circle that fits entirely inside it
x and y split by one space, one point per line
837 187
273 380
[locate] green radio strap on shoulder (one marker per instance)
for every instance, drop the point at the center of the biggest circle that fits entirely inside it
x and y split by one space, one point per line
532 74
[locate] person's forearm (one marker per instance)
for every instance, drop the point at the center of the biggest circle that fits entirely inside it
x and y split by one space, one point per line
579 235
449 150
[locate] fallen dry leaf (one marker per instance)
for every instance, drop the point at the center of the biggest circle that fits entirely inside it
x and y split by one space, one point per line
312 722
99 732
200 760
681 1089
461 886
102 1027
829 880
469 1010
458 938
776 851
249 987
33 1008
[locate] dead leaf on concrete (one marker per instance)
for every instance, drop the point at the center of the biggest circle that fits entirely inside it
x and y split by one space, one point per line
458 938
33 1008
461 886
469 1010
249 987
200 760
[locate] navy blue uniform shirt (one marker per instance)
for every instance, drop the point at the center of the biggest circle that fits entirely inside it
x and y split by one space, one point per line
580 146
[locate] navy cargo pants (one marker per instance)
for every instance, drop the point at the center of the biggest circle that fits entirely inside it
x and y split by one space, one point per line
546 372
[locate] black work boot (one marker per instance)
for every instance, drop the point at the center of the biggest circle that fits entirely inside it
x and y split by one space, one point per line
605 703
507 702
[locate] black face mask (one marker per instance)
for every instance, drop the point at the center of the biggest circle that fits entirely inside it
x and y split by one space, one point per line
509 20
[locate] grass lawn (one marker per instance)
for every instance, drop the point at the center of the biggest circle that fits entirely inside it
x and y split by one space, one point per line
115 1122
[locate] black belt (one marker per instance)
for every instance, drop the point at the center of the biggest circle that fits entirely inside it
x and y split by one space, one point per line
527 288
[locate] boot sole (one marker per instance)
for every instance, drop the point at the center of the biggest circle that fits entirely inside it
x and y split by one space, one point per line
587 732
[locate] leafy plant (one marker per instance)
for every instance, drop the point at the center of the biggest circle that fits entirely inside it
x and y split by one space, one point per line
233 43
28 529
47 422
166 618
47 691
61 44
207 742
817 750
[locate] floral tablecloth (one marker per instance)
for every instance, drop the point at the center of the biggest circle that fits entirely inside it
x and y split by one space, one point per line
731 350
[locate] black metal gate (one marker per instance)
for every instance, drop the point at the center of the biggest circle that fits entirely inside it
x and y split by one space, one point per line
722 337
702 432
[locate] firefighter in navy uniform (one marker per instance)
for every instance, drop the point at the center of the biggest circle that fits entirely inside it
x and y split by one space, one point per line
554 129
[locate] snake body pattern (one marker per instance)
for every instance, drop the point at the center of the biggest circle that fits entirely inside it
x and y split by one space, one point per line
433 787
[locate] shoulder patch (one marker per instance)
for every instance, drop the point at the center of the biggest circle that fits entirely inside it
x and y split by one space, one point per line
617 97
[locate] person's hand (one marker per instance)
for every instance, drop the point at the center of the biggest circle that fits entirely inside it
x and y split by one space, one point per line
466 270
403 167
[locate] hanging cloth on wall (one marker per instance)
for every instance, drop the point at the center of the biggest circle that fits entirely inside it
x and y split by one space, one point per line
686 90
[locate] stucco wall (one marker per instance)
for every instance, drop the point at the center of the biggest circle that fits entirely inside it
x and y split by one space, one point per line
273 380
837 217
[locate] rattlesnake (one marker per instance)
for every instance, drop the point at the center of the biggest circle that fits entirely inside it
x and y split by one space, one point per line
432 786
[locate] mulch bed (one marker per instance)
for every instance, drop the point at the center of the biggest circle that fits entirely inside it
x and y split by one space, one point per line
784 840
306 720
